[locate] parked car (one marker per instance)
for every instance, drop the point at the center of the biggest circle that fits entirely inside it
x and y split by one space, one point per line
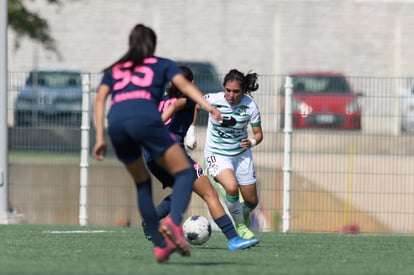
323 100
50 95
407 107
206 79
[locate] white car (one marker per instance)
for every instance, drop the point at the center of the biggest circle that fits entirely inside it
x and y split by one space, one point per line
407 107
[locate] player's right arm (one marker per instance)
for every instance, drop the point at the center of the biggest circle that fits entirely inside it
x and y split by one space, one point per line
190 139
99 150
197 109
173 108
190 90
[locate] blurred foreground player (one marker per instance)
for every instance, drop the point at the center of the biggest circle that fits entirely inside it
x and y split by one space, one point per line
135 83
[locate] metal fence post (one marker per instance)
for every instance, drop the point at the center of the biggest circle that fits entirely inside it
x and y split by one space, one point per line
3 116
287 155
84 164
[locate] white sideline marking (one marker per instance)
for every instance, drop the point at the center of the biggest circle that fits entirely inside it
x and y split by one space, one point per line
76 231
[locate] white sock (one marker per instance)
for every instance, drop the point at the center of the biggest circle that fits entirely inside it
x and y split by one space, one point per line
235 209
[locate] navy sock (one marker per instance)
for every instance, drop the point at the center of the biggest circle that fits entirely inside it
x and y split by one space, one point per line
164 207
181 194
226 226
147 209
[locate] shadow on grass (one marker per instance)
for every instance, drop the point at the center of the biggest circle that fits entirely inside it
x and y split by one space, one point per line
205 263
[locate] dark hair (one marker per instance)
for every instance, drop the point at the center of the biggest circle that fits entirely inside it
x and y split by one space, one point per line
247 82
173 91
142 44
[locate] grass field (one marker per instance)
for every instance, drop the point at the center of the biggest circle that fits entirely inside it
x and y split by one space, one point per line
35 249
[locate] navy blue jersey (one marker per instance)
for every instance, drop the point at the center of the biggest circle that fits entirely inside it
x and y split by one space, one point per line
179 123
134 119
137 92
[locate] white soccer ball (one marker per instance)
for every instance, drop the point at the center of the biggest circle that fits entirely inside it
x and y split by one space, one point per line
197 229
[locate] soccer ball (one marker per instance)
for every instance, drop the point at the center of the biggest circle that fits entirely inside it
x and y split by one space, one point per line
197 229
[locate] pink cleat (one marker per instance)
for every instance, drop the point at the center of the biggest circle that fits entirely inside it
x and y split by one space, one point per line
175 233
162 254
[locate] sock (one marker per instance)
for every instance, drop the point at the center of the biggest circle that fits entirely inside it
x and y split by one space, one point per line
233 204
147 209
164 207
226 226
181 194
247 209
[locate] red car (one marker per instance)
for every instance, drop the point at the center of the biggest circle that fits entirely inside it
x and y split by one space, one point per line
322 100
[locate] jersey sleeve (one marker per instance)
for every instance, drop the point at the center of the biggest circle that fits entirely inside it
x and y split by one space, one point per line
255 119
107 78
172 69
189 103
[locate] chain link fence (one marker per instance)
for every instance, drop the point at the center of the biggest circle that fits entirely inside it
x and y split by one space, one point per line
343 180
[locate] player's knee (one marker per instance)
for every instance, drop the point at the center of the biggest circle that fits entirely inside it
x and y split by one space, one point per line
208 194
203 188
251 203
233 191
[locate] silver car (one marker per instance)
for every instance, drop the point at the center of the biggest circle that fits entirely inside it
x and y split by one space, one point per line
52 96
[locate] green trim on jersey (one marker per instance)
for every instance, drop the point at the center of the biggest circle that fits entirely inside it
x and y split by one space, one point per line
225 138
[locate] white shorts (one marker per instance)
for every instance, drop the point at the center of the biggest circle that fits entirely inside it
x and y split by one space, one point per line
242 165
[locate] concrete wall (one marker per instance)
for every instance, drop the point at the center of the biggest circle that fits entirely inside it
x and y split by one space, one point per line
273 37
358 37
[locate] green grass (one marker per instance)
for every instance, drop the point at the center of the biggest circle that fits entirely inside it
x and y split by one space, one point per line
31 249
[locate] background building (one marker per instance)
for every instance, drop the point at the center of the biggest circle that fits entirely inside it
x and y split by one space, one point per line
357 37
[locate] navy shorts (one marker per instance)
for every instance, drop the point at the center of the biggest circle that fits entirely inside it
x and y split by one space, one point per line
128 136
163 176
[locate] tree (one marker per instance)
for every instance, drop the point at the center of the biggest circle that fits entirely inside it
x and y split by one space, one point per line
26 23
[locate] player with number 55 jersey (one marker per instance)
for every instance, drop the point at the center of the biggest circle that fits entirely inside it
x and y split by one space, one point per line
136 84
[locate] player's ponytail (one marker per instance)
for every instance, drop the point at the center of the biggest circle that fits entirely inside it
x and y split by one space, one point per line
251 84
142 43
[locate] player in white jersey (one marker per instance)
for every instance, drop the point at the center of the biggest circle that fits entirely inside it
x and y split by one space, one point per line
227 151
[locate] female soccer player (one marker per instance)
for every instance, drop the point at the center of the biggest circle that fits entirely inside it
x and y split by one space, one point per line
227 151
136 83
178 114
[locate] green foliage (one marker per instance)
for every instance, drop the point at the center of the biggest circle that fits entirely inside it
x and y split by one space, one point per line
27 23
35 249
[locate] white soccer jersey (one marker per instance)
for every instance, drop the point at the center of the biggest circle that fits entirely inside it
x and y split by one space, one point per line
225 138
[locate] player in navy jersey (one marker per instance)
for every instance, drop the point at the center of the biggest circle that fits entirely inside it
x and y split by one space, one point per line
136 83
178 114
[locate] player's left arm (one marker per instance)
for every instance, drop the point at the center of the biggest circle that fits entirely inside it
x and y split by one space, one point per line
257 137
257 134
255 123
